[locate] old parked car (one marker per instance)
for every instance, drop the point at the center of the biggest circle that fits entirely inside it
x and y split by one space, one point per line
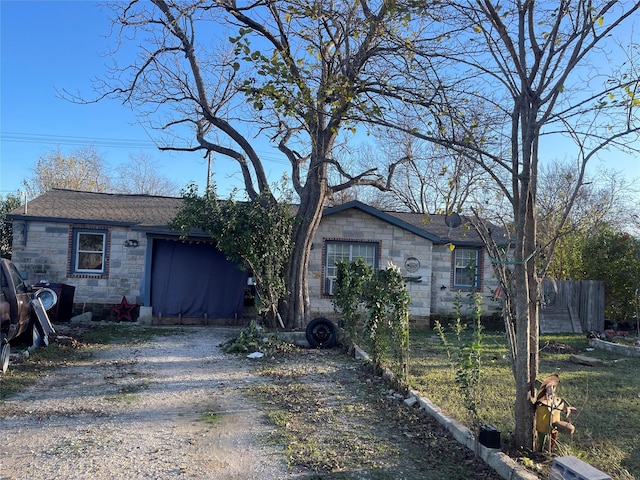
22 314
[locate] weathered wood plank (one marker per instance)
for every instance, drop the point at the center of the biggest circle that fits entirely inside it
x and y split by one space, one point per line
582 360
581 303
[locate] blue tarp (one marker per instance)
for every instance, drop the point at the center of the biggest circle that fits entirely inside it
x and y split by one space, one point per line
194 279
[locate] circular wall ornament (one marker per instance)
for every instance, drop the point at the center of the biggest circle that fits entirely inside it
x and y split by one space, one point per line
412 264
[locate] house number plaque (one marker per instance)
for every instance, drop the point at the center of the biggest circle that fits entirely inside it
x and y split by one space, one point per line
412 264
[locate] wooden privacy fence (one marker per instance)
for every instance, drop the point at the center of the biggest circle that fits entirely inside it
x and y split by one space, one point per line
572 306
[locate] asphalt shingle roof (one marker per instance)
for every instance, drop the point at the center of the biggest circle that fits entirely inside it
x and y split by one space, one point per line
428 226
121 209
149 212
436 225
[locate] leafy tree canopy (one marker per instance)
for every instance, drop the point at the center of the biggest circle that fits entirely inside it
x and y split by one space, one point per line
254 233
7 204
86 170
614 257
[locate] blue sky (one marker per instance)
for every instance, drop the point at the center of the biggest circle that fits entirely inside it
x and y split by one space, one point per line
49 45
53 45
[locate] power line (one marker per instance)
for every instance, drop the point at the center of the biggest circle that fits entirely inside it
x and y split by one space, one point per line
18 137
70 140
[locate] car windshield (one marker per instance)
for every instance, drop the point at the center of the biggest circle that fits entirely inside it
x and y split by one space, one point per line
21 287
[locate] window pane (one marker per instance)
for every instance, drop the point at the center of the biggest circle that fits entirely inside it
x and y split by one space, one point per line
465 257
466 267
347 251
21 287
90 242
364 251
89 261
335 253
90 252
465 277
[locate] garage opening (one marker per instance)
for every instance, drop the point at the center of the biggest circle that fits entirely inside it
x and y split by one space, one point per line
195 280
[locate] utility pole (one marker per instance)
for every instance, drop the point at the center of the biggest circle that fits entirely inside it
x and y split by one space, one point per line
209 159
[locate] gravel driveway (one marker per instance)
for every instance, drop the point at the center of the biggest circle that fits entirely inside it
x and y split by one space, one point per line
178 407
140 412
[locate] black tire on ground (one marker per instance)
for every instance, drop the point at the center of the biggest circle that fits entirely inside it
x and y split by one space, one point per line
321 333
5 350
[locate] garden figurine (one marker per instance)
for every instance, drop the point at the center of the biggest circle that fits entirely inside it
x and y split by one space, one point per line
549 408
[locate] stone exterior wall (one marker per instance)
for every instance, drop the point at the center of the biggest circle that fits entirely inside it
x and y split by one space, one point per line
42 251
442 291
428 298
396 246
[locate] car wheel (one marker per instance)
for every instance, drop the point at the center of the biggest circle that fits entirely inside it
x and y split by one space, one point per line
5 350
321 333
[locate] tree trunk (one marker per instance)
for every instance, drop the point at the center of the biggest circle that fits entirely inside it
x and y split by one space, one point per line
296 309
526 317
533 286
523 432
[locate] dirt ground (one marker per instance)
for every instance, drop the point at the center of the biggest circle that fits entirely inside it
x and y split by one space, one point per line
178 407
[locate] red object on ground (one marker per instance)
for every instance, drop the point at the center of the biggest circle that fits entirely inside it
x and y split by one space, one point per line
616 333
123 311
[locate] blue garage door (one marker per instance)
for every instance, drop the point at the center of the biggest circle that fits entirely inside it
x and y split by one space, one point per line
194 279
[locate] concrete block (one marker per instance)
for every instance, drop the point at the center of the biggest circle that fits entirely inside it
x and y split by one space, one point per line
572 468
461 433
146 315
584 360
411 401
506 467
361 354
427 405
82 318
299 339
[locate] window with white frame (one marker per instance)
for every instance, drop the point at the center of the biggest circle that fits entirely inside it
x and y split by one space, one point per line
466 270
336 251
89 251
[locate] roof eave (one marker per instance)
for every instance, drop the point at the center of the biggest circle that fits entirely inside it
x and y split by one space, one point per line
166 230
382 216
33 218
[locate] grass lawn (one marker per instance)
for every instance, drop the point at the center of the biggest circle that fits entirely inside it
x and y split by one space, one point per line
607 397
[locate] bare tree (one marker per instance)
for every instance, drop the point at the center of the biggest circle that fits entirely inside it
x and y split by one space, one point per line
604 198
84 169
299 73
141 176
435 179
531 66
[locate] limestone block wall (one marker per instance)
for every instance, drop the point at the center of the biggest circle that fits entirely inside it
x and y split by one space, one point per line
40 250
411 253
43 251
442 291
